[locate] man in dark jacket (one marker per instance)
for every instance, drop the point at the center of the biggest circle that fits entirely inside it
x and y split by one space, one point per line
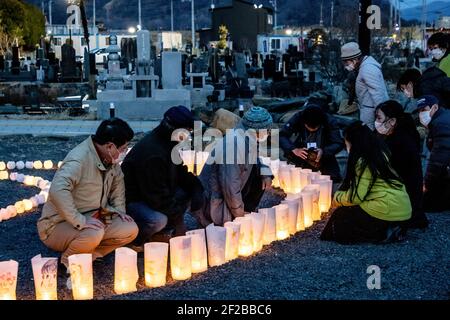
433 82
158 191
316 131
437 176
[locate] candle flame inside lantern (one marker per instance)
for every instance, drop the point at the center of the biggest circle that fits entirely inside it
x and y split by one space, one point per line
37 165
48 164
155 263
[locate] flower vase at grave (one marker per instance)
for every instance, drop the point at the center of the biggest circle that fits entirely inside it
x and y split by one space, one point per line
180 257
292 214
8 279
80 266
188 157
126 272
245 236
270 228
300 216
307 200
217 242
232 245
198 250
45 277
282 221
258 221
155 263
315 189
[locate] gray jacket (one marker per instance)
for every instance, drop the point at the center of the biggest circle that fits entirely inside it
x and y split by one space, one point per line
223 182
370 86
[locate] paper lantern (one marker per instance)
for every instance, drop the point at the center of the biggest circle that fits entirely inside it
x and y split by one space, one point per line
80 266
126 272
60 163
48 164
292 214
245 236
155 263
300 217
180 258
325 194
295 174
12 211
20 178
232 245
37 165
188 157
35 202
8 279
3 214
201 158
270 228
4 175
11 165
20 207
13 176
20 165
217 242
274 167
307 199
29 181
27 204
258 221
315 189
45 277
40 198
285 178
44 194
43 184
282 221
29 164
198 250
305 179
2 166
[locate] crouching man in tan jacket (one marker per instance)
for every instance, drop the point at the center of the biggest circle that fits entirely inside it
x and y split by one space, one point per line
85 211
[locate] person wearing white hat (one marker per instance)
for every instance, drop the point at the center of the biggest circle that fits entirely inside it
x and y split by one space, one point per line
370 86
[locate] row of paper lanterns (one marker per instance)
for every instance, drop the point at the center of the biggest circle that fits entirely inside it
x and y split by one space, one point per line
36 165
24 205
199 248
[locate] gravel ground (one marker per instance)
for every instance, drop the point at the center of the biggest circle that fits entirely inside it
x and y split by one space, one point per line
301 267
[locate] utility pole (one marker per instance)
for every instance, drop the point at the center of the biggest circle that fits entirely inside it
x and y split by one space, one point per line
424 24
321 14
140 14
50 2
193 25
171 15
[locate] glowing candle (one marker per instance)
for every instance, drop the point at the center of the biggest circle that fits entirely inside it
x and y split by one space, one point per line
20 165
217 241
292 214
126 272
48 164
29 164
155 263
80 266
282 221
27 204
8 279
180 257
307 198
258 222
270 229
4 175
245 236
2 166
232 245
11 165
305 178
315 189
45 277
37 165
199 252
20 207
285 178
300 217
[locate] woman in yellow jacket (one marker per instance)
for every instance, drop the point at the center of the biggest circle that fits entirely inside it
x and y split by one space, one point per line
372 203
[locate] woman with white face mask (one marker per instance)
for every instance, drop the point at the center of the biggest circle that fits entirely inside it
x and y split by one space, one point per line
437 176
398 130
438 46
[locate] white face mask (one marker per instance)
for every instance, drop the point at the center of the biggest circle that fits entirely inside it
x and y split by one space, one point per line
437 53
350 67
381 128
120 158
425 118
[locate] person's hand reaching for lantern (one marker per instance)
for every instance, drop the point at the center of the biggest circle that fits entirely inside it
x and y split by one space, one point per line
301 153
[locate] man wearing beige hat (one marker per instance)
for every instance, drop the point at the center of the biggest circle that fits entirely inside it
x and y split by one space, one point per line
370 86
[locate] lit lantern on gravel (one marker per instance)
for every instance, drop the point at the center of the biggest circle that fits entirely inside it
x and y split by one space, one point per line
4 175
201 158
3 214
29 164
8 279
307 198
274 167
2 166
270 228
44 194
20 165
80 266
180 258
12 211
155 263
315 189
305 179
217 242
188 157
258 230
296 180
324 193
37 165
29 181
11 165
292 214
48 164
300 217
45 277
60 164
282 221
27 204
245 236
126 272
232 246
13 176
20 178
20 207
285 178
198 250
35 202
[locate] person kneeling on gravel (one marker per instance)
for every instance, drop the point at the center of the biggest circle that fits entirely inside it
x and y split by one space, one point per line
85 211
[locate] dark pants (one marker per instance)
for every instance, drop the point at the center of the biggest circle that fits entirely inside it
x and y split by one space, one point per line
348 225
437 183
252 191
151 221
